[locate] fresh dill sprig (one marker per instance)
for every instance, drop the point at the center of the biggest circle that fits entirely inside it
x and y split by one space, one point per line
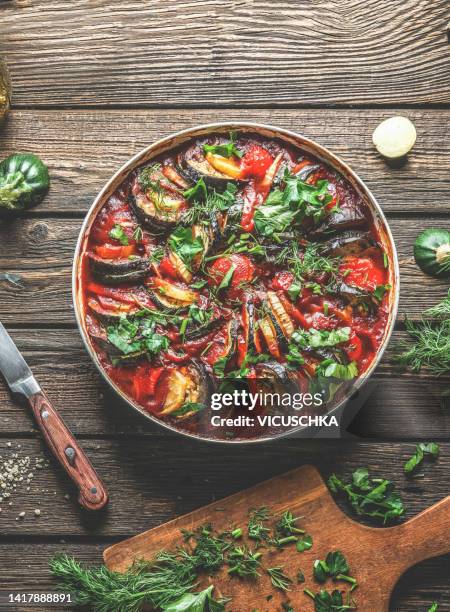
431 348
204 204
279 578
440 310
307 264
256 528
100 589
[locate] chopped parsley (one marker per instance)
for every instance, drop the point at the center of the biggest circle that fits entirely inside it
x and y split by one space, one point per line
118 233
372 497
227 149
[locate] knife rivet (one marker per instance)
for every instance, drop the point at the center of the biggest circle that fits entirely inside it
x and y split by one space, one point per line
45 414
94 490
70 454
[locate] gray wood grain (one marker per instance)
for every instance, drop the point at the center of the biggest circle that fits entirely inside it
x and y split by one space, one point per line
211 53
148 485
85 148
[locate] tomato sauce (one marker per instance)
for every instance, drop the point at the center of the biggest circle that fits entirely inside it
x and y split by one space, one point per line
193 277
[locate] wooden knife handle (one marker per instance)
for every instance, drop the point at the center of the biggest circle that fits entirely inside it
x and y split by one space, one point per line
93 495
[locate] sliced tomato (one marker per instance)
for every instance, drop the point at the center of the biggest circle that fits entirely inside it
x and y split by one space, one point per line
113 305
355 347
255 162
362 272
282 280
256 192
110 251
166 268
125 296
244 270
300 165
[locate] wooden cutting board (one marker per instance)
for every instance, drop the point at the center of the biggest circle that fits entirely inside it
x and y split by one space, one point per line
377 556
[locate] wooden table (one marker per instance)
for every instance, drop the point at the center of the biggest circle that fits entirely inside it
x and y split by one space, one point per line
96 81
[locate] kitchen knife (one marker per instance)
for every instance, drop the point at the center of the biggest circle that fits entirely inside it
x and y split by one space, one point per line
92 493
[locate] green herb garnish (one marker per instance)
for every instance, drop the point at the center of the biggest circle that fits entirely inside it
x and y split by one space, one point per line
244 563
372 497
279 578
423 449
118 233
226 149
185 245
256 527
330 602
227 278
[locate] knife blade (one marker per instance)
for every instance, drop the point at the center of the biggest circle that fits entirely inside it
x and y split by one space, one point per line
14 368
92 492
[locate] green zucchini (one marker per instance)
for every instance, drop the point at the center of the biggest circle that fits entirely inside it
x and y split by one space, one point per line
432 252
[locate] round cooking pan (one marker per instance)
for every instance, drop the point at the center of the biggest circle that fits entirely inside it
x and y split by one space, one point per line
167 144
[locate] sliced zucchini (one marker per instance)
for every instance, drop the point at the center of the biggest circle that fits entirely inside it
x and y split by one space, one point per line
179 265
170 296
268 330
281 316
109 316
348 243
159 210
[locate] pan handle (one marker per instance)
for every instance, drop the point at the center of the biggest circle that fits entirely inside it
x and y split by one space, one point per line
92 492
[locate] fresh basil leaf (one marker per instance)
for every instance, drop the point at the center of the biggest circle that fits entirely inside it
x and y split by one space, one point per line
195 602
226 149
193 407
294 291
199 284
197 192
156 343
227 278
380 291
423 449
319 338
219 366
183 243
118 233
330 369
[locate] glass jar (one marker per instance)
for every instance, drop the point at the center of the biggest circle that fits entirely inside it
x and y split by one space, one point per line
5 90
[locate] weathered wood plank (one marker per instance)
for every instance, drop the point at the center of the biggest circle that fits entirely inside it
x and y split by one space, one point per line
40 251
400 405
149 475
415 591
233 53
84 148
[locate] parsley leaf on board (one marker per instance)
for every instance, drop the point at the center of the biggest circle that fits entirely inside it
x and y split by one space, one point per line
371 497
423 449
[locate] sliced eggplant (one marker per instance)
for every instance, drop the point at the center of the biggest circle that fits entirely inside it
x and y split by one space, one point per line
341 220
170 296
352 294
99 334
352 242
306 171
192 386
109 315
280 315
193 166
159 211
117 271
272 376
